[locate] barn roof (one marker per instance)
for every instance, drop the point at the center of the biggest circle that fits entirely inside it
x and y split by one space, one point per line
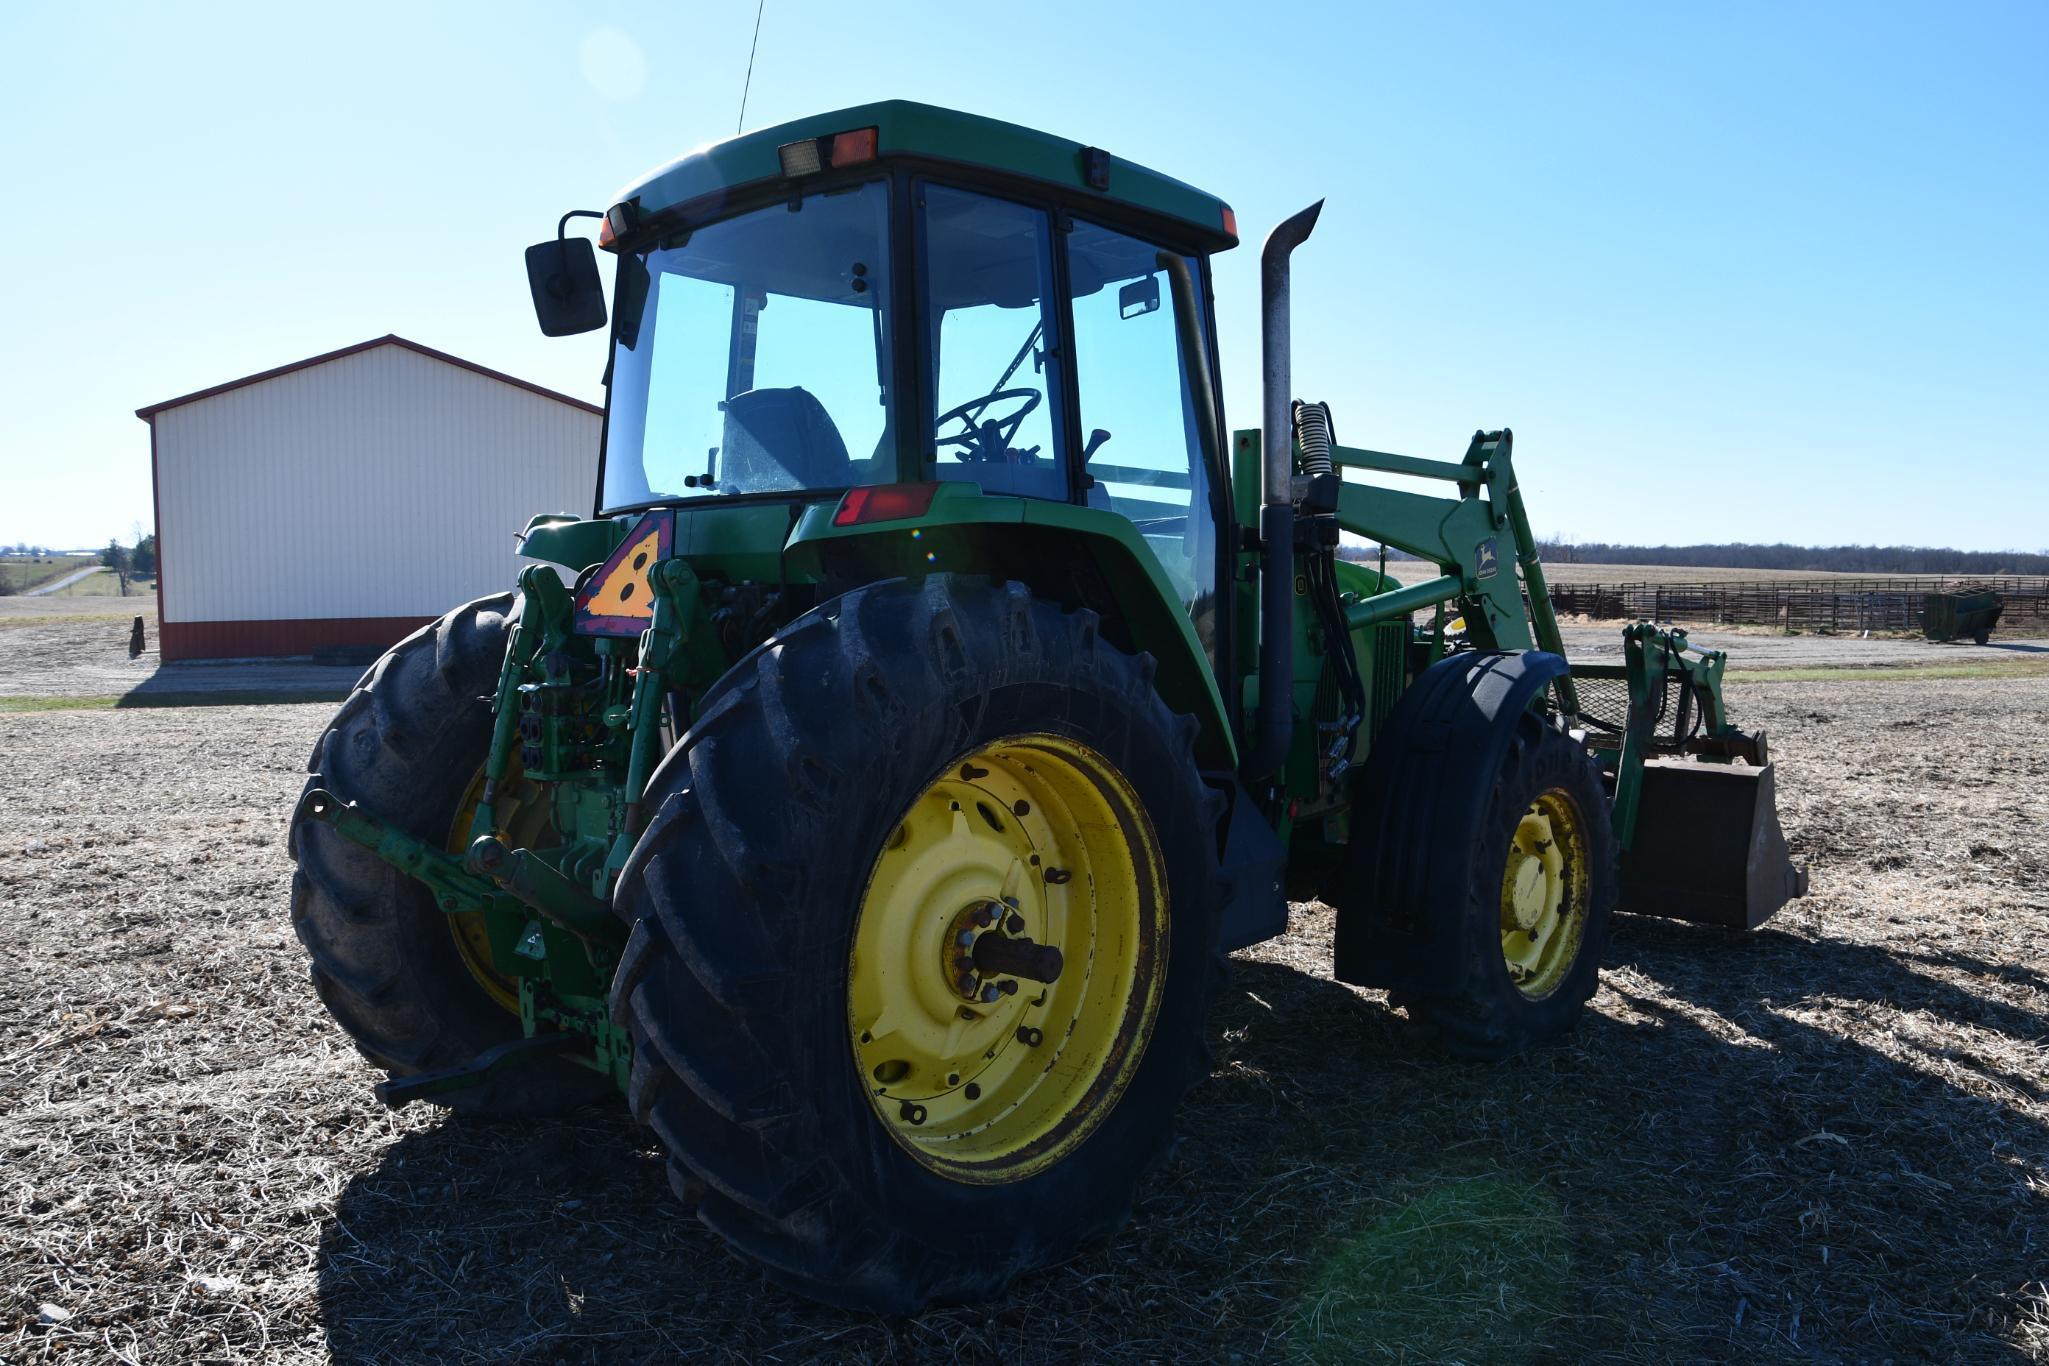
149 413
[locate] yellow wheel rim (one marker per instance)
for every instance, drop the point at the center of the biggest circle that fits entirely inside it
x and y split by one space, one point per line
1545 892
522 818
983 1071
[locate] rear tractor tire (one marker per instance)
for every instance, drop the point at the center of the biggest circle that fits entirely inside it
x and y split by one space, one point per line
922 942
410 984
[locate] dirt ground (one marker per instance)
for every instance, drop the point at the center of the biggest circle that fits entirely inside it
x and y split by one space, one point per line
73 647
1828 1142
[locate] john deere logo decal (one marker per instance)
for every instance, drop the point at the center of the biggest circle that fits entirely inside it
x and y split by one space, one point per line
1485 558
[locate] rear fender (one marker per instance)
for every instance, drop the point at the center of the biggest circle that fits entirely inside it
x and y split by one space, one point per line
1456 720
1076 556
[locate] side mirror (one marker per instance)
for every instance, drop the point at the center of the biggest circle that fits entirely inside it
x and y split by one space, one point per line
1139 297
568 295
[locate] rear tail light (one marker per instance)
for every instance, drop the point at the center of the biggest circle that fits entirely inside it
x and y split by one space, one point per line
884 503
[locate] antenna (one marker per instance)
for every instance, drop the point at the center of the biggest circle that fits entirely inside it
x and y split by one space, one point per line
748 84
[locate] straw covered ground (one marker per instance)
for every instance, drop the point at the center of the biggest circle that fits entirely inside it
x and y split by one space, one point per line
1829 1142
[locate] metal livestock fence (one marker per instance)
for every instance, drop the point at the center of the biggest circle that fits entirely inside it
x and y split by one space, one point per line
1835 604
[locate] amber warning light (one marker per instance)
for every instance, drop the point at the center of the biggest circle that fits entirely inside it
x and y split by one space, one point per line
884 503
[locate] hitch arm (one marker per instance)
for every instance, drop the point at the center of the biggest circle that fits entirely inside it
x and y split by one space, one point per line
454 886
491 871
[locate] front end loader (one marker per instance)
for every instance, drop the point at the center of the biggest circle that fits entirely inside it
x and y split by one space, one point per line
868 790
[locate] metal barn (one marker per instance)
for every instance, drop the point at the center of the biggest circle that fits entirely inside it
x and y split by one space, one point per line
345 500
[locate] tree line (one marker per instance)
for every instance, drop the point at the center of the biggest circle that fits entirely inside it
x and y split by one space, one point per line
140 561
1780 557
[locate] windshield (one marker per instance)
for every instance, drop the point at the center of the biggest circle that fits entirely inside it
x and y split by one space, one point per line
752 357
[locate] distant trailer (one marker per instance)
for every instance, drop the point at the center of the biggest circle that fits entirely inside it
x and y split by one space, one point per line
1955 616
335 504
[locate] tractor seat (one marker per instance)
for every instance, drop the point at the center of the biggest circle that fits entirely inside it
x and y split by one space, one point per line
781 439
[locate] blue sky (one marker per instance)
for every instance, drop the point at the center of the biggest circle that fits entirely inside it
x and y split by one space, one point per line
1732 272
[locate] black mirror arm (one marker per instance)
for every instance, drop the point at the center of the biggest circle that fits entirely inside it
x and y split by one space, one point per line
562 228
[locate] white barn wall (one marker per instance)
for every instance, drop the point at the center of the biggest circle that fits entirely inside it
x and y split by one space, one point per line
383 483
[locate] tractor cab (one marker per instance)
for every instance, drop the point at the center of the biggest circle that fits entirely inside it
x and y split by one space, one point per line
898 294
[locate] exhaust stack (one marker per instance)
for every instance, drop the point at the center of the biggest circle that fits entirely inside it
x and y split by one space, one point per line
1276 720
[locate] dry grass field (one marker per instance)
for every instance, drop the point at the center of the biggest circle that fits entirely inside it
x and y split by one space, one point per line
1826 1142
19 574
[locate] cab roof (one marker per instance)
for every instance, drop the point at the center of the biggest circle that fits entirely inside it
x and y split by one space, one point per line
905 128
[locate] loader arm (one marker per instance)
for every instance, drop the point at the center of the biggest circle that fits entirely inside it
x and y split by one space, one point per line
1656 723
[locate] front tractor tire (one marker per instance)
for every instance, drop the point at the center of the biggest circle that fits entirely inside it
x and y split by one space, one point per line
1494 883
401 977
922 938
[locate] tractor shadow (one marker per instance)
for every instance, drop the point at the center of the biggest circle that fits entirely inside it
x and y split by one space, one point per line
241 683
1716 1165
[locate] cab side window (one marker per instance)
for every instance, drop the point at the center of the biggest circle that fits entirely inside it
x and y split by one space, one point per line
993 333
1141 450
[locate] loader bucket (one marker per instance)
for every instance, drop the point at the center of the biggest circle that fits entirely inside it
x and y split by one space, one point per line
1708 847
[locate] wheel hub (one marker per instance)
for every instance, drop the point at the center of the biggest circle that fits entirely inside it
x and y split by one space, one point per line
1544 894
1007 958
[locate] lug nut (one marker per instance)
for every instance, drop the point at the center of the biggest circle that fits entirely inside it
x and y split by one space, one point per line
964 938
1008 986
1014 925
1029 1036
989 993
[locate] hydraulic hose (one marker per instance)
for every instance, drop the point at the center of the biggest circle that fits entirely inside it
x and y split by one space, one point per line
1313 434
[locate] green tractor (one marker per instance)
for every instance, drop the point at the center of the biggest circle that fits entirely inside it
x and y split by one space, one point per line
870 790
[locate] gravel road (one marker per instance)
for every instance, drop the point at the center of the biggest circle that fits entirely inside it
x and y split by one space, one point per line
79 577
1760 651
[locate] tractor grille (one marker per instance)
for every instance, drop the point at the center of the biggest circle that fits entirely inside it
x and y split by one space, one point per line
1603 703
1604 709
1390 673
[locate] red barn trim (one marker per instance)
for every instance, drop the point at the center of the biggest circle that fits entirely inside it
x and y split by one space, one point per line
178 640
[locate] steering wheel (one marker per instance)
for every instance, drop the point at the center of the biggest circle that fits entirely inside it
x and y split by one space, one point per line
989 441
